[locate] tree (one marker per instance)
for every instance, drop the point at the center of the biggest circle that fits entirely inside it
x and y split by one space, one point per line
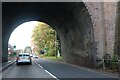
28 49
19 51
44 38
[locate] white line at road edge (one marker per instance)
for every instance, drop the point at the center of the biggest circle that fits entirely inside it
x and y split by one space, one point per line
47 71
3 73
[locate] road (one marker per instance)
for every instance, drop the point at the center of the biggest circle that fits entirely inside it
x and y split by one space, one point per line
42 68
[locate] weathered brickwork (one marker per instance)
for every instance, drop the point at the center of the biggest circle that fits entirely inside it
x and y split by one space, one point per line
110 23
95 11
103 15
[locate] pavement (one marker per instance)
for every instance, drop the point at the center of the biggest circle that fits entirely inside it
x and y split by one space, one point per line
6 65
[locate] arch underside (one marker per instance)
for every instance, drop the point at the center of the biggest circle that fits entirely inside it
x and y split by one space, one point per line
71 21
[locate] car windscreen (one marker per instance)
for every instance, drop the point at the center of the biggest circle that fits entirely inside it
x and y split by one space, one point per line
26 55
19 55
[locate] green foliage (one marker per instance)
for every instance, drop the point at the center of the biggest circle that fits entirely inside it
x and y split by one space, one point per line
44 37
114 62
115 57
109 62
54 58
12 54
99 64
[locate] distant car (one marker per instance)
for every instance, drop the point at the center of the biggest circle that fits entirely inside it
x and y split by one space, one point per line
23 58
35 56
31 55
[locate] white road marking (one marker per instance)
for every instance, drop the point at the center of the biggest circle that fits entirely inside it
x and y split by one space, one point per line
47 71
51 74
39 65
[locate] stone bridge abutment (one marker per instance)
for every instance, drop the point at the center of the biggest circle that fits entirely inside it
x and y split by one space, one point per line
86 29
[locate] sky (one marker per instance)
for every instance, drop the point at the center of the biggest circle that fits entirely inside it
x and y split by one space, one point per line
21 36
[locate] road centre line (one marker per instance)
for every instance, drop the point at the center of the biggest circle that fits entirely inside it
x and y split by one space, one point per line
38 65
51 75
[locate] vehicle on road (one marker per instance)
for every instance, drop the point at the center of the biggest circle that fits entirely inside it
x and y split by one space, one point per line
31 55
23 58
35 56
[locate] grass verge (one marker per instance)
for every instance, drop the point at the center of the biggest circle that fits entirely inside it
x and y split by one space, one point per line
53 58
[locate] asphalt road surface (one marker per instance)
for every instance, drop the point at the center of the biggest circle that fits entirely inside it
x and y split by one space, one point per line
54 70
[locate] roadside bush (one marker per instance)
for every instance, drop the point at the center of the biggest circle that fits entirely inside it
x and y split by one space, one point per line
99 63
107 60
110 63
114 62
12 54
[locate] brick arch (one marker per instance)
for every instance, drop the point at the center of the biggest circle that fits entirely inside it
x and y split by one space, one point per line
72 21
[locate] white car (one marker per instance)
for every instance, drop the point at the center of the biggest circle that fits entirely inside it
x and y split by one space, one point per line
23 58
35 56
